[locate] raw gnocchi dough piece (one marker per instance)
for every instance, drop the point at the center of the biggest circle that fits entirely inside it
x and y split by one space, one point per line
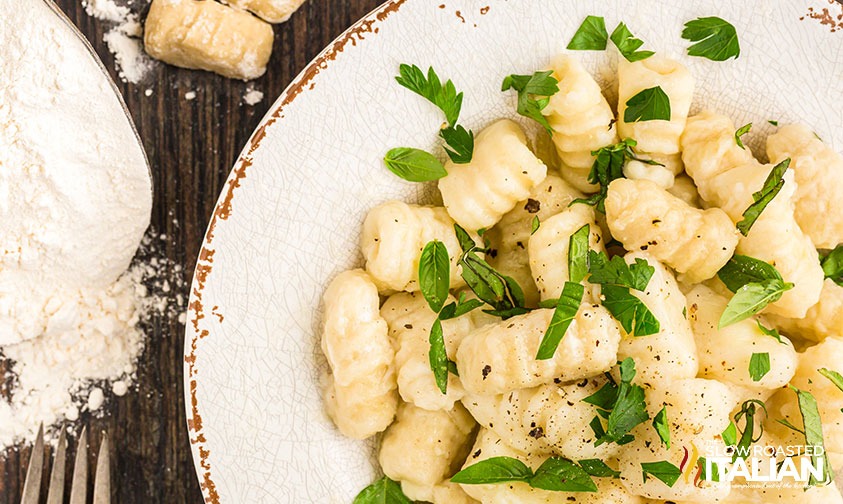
510 236
502 172
210 36
643 216
489 445
828 354
698 411
548 419
424 448
499 358
410 319
670 354
271 11
548 248
581 118
659 139
727 176
684 188
725 353
823 320
818 170
393 237
360 393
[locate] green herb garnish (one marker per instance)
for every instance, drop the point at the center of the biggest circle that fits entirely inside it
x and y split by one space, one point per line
443 96
772 185
813 432
383 491
755 284
534 225
628 45
628 409
590 36
773 333
662 426
540 84
434 274
438 356
759 366
715 38
747 413
578 254
833 376
663 471
566 309
460 141
743 130
414 165
556 474
599 469
651 104
832 265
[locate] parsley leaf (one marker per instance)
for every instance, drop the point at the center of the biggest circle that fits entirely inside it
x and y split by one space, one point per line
664 471
559 474
434 274
494 470
534 224
759 366
630 311
662 426
751 299
578 254
414 165
651 104
773 333
566 309
716 39
833 376
627 44
743 130
438 356
772 185
617 272
605 397
383 491
460 141
741 270
813 433
774 123
445 97
530 86
628 411
590 36
598 469
832 265
616 278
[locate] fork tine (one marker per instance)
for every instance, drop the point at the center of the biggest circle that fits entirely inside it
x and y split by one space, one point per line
79 484
55 494
102 480
32 485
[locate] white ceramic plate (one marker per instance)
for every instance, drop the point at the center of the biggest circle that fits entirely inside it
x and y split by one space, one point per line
289 218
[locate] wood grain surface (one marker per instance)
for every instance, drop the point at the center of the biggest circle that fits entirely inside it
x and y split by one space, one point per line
191 145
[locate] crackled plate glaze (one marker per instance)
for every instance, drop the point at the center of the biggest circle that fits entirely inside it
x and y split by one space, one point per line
289 217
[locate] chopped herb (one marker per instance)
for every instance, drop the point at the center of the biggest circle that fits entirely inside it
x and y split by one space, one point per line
630 311
459 308
747 412
813 433
664 471
530 86
662 426
434 274
628 411
534 225
414 165
628 45
774 123
716 39
833 376
598 469
759 366
578 254
494 470
438 356
742 270
452 368
751 299
616 278
617 272
460 141
445 97
556 474
832 265
715 473
566 309
730 435
605 398
773 333
651 104
383 491
559 474
590 36
772 185
743 130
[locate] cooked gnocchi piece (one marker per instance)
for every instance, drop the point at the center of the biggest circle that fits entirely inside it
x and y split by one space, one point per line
823 320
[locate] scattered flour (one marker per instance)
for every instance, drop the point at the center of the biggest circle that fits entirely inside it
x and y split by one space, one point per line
124 40
252 96
190 95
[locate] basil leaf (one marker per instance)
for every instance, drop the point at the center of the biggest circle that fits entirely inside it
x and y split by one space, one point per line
772 185
662 426
651 104
608 166
813 433
438 356
578 254
598 469
466 241
590 36
414 165
747 412
563 315
383 491
454 309
715 473
730 435
751 299
534 225
494 470
435 274
741 270
445 97
617 272
630 311
628 411
774 123
528 87
833 376
759 365
605 398
483 281
833 265
452 368
627 44
715 38
460 141
558 474
664 471
774 333
743 130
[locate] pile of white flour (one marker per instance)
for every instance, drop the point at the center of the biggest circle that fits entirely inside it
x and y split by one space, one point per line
124 39
75 200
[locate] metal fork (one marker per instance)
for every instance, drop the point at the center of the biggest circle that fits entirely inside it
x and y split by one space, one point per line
79 484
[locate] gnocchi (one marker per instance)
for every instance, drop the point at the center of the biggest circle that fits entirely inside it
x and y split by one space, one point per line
823 320
271 11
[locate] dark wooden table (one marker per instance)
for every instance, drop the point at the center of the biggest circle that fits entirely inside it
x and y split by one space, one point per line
192 145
